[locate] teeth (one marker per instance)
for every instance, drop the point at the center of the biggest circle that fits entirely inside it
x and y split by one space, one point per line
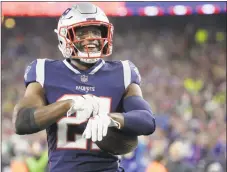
91 46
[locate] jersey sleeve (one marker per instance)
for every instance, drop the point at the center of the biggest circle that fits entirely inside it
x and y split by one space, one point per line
131 73
135 74
34 72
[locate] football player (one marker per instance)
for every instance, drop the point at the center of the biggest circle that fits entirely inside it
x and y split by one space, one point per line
77 99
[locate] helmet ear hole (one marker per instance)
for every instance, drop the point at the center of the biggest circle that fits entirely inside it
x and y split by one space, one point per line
61 42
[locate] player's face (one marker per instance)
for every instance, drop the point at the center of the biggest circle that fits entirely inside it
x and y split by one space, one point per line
90 36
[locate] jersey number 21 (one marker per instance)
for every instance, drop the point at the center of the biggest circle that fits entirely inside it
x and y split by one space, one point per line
67 126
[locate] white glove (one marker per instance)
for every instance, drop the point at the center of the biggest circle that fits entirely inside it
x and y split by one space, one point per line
97 127
84 106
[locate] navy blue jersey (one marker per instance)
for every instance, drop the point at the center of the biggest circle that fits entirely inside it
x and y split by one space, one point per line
68 151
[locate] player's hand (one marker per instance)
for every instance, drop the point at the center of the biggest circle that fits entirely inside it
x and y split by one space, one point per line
97 127
84 106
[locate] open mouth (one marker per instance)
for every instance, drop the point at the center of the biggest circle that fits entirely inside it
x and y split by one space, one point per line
91 47
88 46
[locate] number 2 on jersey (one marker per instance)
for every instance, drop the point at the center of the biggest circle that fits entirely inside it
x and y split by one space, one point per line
69 132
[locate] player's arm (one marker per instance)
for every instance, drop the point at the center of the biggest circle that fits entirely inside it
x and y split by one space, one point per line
138 118
31 114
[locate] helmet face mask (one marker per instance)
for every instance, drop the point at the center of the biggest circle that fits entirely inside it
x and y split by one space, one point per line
87 40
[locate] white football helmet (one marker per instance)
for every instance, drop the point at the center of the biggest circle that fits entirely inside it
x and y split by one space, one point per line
81 15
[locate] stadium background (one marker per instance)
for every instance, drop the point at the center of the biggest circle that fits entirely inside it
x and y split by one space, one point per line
180 50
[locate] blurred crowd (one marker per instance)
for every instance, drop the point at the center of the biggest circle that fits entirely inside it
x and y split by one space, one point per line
182 61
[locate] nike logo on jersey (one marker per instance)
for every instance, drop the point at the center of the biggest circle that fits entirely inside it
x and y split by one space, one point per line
85 88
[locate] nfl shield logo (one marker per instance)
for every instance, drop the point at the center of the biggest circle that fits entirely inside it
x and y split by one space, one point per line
84 78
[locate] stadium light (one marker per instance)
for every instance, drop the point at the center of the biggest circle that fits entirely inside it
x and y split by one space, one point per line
10 23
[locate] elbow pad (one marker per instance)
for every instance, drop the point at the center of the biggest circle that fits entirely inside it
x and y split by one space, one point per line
25 122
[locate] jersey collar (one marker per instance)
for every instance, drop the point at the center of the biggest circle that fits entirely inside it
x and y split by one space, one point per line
90 71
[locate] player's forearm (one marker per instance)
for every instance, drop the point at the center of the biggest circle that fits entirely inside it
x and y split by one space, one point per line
136 122
139 122
138 117
29 120
47 115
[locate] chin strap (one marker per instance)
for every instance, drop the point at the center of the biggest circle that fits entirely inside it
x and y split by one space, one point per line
82 63
89 61
85 54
